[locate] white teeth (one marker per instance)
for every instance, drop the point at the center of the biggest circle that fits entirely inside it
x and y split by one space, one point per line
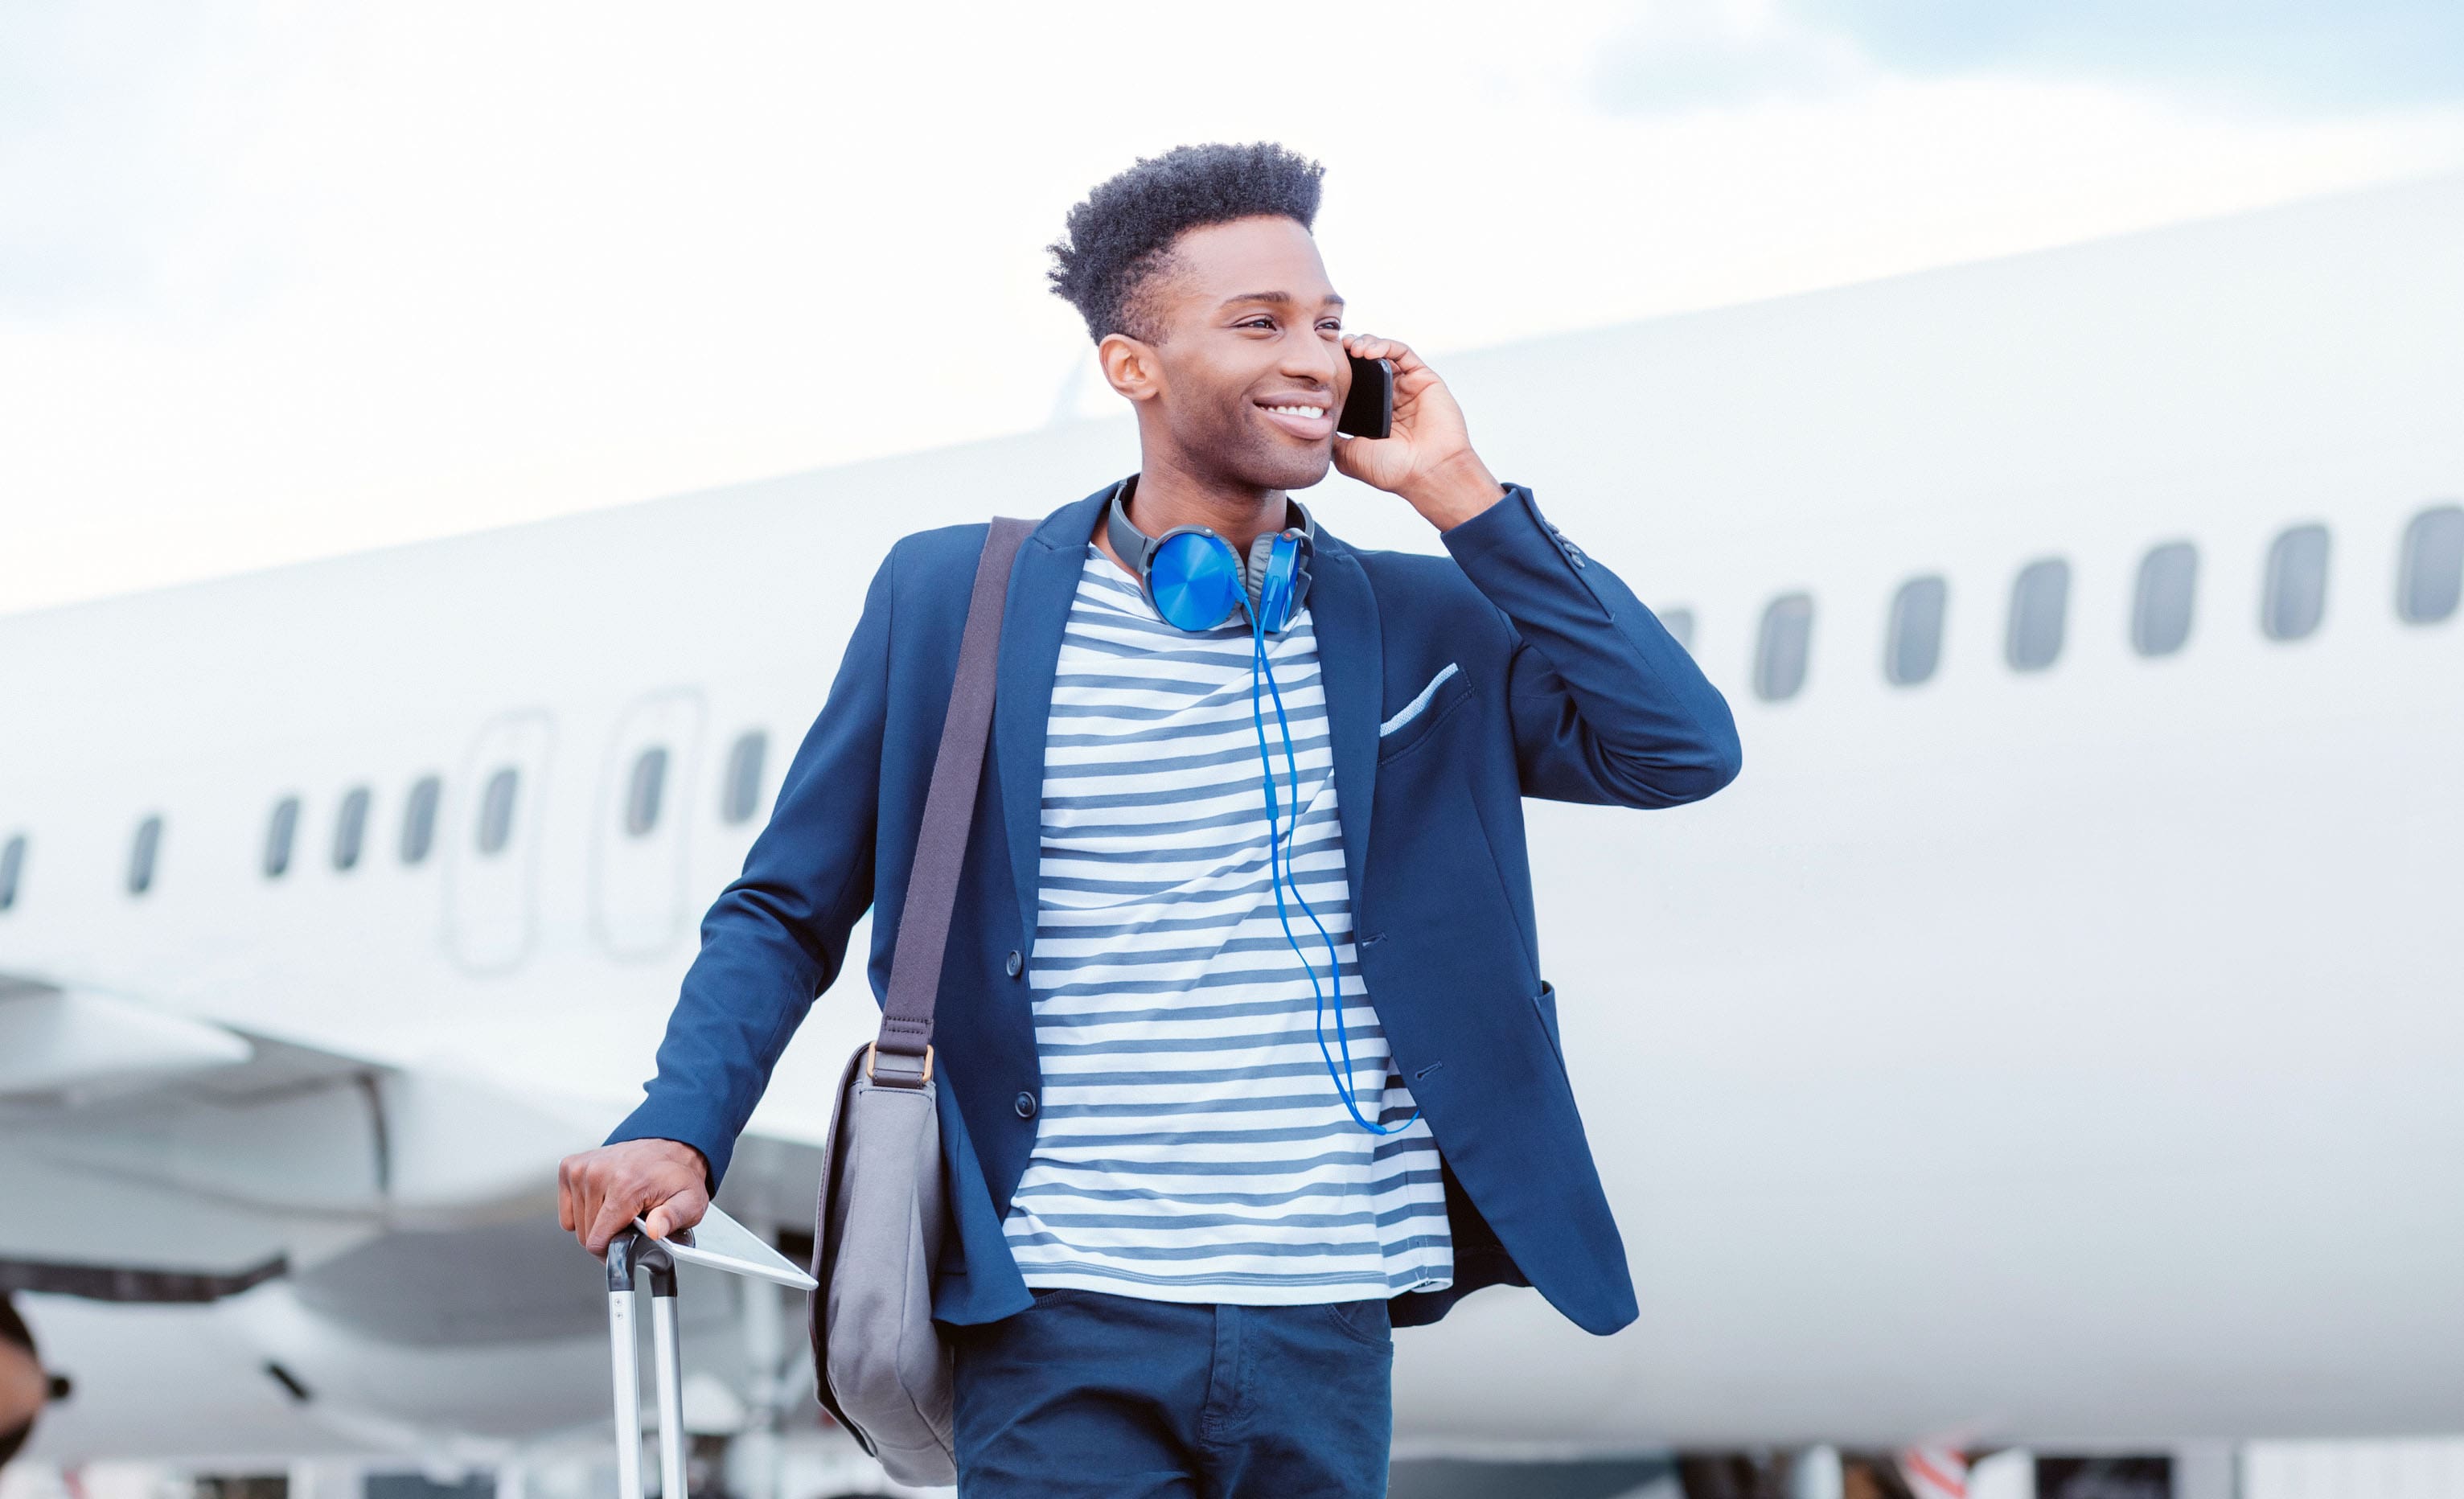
1312 412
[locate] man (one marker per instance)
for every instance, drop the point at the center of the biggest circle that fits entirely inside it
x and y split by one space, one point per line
1184 1229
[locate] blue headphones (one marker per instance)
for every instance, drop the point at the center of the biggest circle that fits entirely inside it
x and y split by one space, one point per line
1195 579
1199 582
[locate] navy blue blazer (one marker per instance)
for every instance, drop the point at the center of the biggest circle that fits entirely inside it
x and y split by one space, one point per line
1563 685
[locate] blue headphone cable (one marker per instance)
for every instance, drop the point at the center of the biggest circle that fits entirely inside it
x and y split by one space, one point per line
1278 864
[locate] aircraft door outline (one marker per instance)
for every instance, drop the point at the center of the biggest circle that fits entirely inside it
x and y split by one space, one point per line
492 835
641 829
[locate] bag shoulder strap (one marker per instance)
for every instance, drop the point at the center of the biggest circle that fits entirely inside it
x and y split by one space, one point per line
902 1054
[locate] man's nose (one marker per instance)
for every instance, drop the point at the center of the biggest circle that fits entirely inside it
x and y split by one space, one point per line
1318 361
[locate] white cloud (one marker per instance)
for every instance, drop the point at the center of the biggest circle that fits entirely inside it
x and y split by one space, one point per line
2265 54
107 117
378 273
1688 54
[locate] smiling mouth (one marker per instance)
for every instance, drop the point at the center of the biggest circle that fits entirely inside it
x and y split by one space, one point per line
1306 421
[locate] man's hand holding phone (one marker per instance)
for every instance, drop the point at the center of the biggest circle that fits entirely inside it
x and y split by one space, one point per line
600 1192
1427 458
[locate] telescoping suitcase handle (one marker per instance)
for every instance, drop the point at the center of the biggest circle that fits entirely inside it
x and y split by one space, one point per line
629 1251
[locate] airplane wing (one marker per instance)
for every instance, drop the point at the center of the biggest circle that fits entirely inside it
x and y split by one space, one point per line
57 1042
378 1241
202 1159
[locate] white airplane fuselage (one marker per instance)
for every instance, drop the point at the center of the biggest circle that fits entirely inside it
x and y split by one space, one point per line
2065 1055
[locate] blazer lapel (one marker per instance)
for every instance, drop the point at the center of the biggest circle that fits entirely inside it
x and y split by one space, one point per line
1039 595
1350 659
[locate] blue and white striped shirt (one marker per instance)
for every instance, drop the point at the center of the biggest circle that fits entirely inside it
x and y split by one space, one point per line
1191 1146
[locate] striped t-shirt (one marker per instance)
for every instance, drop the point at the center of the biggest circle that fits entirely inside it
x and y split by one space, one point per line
1190 1145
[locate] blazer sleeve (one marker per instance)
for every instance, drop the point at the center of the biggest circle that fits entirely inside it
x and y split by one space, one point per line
1607 707
778 935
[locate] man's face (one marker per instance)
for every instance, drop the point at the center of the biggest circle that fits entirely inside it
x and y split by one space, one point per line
1252 344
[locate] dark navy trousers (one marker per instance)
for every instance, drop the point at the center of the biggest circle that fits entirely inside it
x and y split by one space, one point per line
1088 1394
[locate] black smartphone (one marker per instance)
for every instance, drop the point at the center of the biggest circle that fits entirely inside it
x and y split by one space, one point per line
1368 411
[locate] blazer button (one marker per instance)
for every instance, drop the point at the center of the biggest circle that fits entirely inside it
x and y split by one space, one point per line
1024 1104
1014 964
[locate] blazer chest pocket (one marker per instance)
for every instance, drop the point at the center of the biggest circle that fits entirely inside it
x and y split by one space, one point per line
1413 723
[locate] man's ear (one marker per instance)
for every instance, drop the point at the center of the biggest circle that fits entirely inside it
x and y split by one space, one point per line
1131 367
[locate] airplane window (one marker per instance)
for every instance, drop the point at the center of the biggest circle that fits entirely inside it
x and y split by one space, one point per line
2431 581
2041 601
419 819
351 827
278 832
2297 584
1679 624
642 795
497 811
1914 647
743 795
141 855
1780 652
13 862
2169 586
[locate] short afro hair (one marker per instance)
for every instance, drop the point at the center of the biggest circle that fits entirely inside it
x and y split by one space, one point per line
1122 235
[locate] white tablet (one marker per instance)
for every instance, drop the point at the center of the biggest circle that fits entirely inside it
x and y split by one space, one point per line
723 1244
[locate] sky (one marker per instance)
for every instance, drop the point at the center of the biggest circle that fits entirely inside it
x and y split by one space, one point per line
280 280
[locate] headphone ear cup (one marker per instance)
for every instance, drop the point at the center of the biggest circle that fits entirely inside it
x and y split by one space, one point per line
1274 564
1194 580
1262 552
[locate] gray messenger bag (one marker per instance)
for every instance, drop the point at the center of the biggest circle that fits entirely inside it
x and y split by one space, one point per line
879 1363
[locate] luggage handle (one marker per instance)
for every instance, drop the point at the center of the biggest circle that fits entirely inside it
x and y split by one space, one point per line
627 1252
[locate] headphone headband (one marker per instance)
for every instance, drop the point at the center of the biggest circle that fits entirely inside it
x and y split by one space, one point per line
1195 581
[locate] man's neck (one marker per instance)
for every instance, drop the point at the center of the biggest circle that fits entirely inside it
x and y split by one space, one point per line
1170 495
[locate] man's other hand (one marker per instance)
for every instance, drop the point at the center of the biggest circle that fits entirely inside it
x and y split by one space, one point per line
600 1192
1427 458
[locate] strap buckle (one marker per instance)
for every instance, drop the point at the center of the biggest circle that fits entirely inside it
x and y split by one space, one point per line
894 1081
